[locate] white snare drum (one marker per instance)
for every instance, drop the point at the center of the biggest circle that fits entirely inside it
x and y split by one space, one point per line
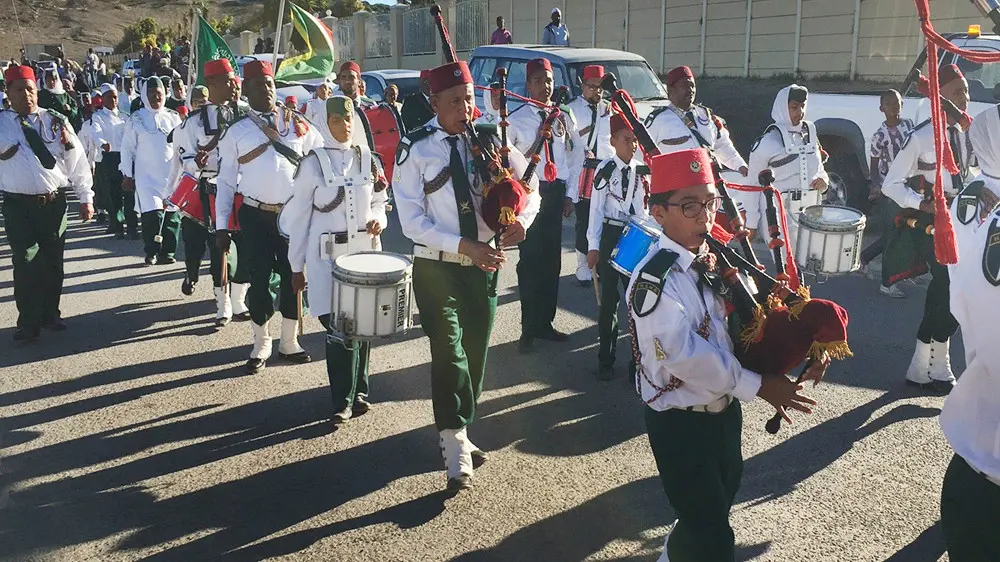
829 239
372 294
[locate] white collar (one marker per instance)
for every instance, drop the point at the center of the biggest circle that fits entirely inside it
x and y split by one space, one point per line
684 256
619 163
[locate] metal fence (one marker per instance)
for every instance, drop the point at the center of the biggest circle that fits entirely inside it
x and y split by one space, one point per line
472 24
344 37
419 32
378 36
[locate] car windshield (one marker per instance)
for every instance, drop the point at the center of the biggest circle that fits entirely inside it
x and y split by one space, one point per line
984 80
406 86
633 76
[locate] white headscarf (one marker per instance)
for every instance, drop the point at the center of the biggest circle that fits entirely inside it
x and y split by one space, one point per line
105 88
324 128
779 111
985 137
153 119
58 89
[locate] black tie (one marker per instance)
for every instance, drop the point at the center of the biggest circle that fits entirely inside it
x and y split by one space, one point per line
37 145
690 118
624 182
593 129
956 150
548 141
467 225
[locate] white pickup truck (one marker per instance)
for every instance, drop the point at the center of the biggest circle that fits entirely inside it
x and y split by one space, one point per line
846 122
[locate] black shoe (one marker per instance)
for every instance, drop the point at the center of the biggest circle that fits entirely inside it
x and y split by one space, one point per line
361 406
479 458
242 317
459 483
187 286
222 322
341 417
553 335
102 218
56 324
165 260
150 260
606 372
526 345
25 333
255 366
934 386
297 358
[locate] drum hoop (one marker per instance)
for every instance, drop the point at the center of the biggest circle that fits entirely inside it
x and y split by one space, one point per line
647 229
805 221
371 279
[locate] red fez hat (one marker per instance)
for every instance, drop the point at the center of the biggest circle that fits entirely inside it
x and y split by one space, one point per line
677 170
678 74
292 102
257 69
218 67
948 73
618 123
538 65
448 75
96 101
786 336
182 110
18 72
593 71
352 66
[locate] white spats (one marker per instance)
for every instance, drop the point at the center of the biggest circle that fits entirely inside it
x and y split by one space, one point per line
223 309
919 370
239 296
457 452
261 342
940 361
582 271
289 337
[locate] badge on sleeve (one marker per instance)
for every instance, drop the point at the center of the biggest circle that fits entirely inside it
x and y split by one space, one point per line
967 206
649 285
991 254
645 297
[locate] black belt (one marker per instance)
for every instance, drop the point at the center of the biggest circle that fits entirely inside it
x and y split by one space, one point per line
40 200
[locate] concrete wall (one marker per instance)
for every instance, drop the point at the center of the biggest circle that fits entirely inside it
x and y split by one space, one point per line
813 37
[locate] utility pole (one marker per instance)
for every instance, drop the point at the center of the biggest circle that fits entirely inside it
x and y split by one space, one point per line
19 32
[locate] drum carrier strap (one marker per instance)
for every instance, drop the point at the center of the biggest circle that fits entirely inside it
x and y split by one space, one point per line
649 283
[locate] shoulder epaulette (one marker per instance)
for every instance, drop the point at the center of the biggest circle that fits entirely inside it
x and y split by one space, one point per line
411 138
654 114
642 170
57 116
771 127
650 281
604 174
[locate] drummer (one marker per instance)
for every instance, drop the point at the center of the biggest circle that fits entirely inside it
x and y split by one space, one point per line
620 194
790 148
197 144
593 115
453 261
331 185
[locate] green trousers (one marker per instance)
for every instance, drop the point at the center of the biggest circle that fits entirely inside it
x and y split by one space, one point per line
611 283
197 239
36 233
266 253
170 231
700 462
457 313
540 262
121 203
970 511
346 366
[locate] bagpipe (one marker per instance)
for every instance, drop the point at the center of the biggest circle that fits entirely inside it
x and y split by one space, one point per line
534 154
777 324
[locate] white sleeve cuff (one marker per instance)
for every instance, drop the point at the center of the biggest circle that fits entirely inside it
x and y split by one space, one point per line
747 386
450 243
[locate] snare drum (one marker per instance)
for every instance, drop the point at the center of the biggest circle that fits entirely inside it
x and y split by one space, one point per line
829 239
636 239
587 177
372 294
187 199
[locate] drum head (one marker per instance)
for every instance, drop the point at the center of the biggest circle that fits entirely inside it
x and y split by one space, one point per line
372 268
832 218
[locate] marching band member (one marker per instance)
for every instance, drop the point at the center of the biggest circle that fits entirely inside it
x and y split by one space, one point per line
492 114
911 252
258 155
336 192
790 148
687 375
417 110
596 131
539 263
39 155
145 167
970 496
620 192
178 95
126 95
439 205
349 81
197 144
107 126
316 107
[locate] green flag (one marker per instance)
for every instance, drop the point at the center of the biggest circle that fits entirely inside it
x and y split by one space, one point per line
209 45
317 60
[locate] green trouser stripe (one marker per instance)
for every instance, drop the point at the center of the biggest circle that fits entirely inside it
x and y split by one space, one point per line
196 240
457 313
36 235
170 232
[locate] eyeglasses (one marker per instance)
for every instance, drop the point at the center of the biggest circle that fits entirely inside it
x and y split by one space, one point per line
692 209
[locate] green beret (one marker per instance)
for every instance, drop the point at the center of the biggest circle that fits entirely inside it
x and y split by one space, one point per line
340 105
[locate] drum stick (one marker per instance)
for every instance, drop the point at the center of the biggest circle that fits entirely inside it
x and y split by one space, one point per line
298 300
597 292
224 278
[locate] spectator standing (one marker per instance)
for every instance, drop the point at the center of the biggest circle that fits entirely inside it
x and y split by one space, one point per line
259 47
556 32
501 35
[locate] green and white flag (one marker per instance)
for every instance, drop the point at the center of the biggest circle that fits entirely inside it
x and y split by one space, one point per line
208 45
317 61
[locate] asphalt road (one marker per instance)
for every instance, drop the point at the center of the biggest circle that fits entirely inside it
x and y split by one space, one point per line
136 435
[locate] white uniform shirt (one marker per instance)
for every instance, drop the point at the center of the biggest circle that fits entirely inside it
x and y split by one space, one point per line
695 370
267 178
146 156
970 417
596 136
770 151
315 111
125 101
431 219
567 147
195 132
917 158
671 134
612 200
23 173
305 225
107 127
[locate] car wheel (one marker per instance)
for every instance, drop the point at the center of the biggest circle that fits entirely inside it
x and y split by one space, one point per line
848 185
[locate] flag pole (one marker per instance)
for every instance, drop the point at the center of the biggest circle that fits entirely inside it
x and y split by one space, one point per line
193 51
277 33
21 33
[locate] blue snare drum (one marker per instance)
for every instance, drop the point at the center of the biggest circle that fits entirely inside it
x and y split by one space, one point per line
637 237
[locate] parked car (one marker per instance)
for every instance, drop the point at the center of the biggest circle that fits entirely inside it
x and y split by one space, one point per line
376 81
633 72
846 122
130 67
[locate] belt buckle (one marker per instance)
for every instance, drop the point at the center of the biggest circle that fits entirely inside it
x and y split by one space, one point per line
41 200
725 401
